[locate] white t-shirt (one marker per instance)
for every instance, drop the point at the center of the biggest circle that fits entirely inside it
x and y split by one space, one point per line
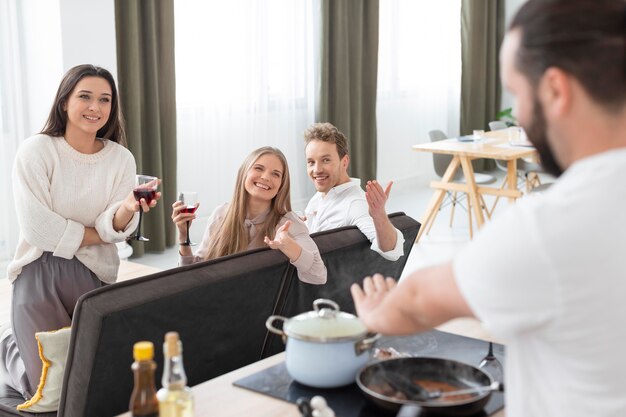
549 276
345 205
60 191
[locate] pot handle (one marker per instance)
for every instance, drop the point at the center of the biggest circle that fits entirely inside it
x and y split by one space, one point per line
269 323
317 304
365 344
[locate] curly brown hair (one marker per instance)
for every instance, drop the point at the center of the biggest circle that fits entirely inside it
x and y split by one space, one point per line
326 132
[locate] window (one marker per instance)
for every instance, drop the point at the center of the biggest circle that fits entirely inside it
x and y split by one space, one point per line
419 80
244 79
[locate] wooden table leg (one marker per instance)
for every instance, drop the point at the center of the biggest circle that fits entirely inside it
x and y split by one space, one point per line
468 171
511 176
437 198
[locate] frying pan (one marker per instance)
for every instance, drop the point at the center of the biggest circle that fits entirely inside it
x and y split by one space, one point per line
381 381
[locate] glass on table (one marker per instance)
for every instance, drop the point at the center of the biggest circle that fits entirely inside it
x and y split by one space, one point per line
492 366
145 187
516 135
478 134
190 200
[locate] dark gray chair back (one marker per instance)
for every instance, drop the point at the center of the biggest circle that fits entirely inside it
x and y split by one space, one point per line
440 161
219 312
219 308
348 258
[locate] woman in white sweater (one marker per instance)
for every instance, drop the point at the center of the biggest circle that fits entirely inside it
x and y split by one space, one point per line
73 195
258 215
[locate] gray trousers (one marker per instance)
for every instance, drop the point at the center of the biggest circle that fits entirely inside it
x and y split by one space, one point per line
44 297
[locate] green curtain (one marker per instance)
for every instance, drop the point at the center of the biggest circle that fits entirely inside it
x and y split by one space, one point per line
482 31
145 66
349 71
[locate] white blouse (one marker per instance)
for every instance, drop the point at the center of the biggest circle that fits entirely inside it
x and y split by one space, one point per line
311 268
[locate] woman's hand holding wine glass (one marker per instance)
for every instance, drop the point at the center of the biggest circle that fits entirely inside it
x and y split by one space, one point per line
146 196
183 214
132 204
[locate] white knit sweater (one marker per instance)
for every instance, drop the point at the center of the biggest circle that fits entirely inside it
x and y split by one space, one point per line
60 191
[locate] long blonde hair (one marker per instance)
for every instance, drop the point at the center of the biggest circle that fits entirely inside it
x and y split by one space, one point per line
232 236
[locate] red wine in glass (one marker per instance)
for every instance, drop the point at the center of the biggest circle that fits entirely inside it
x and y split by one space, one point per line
190 200
146 188
189 209
147 195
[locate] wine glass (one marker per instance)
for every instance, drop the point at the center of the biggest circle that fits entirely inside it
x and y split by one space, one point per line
492 366
146 188
190 200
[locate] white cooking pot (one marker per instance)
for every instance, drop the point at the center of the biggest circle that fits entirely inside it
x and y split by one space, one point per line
325 347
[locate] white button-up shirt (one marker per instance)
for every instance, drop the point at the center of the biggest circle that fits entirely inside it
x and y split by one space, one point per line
345 205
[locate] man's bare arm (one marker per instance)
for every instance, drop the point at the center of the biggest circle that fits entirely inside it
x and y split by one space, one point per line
423 300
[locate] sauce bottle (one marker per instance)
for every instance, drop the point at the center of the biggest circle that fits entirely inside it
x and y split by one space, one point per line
175 398
143 400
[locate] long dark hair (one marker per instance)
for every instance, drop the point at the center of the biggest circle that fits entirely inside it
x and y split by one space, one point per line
113 130
585 38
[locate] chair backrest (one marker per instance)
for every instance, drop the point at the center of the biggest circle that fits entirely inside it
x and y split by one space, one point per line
497 125
440 161
348 258
219 307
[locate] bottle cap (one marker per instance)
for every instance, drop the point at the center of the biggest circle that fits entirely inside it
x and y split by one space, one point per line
172 345
143 351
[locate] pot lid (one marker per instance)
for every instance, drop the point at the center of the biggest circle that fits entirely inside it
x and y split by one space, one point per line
325 324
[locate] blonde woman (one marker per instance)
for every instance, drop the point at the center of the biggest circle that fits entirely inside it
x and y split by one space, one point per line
258 215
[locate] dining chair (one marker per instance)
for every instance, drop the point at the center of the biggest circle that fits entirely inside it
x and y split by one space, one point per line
441 163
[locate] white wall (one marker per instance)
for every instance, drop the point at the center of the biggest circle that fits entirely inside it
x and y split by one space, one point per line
58 35
398 130
88 34
42 59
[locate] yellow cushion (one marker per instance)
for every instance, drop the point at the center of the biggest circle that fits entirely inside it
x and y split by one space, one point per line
53 347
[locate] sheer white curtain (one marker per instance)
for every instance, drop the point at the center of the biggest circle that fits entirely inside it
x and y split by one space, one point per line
245 78
12 121
419 81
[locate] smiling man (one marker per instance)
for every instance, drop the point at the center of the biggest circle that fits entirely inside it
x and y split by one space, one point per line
339 200
549 275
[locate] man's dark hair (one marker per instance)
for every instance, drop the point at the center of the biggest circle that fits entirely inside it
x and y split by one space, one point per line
585 38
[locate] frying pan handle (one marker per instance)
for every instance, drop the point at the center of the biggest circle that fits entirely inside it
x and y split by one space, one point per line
365 344
269 323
